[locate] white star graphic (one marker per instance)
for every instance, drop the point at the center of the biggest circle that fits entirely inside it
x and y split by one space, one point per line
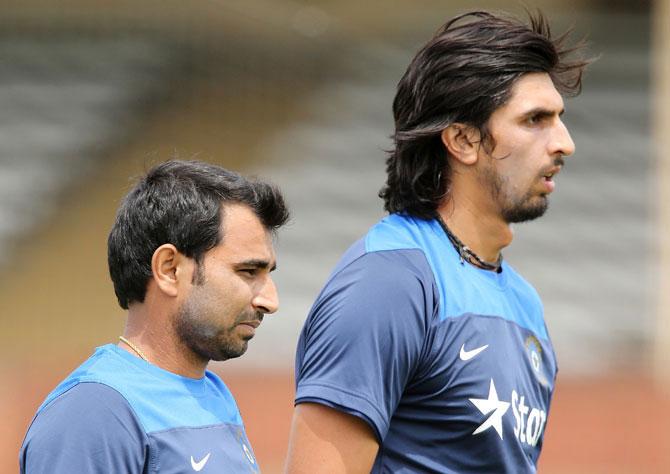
488 405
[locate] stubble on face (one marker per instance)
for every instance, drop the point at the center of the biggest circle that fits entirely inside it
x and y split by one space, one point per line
515 207
524 150
211 336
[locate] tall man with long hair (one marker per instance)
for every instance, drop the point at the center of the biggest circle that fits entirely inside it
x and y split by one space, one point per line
190 256
426 351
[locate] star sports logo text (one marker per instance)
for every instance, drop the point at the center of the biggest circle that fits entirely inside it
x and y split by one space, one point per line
529 421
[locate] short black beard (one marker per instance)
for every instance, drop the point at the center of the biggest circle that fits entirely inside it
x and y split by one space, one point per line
202 339
523 210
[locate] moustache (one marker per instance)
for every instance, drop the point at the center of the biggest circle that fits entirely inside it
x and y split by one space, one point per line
249 317
558 162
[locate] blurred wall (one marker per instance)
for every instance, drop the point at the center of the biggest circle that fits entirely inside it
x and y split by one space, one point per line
661 200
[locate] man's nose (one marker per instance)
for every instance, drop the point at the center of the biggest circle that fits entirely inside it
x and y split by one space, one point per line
267 299
562 143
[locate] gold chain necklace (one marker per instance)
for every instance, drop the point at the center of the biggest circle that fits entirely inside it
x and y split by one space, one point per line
133 347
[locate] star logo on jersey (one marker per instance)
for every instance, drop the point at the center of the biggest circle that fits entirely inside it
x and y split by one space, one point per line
493 407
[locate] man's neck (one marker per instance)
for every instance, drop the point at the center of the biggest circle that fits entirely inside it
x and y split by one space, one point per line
160 345
483 232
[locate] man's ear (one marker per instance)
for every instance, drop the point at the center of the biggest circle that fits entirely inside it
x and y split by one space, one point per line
168 266
462 142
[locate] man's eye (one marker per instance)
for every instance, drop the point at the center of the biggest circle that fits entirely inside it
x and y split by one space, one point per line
248 271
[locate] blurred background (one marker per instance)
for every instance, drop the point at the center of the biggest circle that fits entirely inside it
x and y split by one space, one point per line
94 92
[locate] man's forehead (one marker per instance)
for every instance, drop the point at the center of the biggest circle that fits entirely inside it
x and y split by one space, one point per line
241 227
234 214
535 91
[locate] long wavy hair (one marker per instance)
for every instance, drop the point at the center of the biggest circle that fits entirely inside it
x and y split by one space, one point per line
463 74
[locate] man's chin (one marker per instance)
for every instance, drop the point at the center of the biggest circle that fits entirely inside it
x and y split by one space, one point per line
527 212
233 353
220 354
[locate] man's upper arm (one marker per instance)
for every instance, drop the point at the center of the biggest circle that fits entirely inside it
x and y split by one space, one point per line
360 346
90 428
324 440
365 336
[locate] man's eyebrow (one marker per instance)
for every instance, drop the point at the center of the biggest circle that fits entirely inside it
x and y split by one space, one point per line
543 112
257 263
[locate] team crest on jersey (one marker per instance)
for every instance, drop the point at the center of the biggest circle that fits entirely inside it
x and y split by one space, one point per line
247 451
534 353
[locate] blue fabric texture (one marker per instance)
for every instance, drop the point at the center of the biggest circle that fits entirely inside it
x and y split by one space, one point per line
118 413
450 365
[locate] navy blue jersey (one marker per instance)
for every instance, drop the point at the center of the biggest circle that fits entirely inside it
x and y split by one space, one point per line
449 364
119 414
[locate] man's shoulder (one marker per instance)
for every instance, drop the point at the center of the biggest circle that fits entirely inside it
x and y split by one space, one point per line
79 429
85 404
101 368
160 399
88 397
394 244
400 232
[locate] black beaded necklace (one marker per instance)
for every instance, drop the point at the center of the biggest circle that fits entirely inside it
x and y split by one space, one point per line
466 252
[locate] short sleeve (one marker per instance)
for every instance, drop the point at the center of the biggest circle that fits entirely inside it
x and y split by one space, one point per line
90 428
364 336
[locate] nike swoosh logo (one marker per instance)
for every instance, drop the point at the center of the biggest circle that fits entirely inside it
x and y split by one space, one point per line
197 466
467 355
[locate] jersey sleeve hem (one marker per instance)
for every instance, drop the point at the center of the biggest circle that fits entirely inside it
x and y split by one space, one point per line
342 400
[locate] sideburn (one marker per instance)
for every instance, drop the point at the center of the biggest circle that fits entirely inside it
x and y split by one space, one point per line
199 274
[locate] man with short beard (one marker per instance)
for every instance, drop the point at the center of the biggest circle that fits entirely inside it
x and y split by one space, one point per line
190 256
426 351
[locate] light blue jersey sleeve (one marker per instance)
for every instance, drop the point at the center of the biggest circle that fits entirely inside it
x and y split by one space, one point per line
364 337
90 429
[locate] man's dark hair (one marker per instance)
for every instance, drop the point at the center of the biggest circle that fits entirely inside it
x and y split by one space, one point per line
180 202
463 75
